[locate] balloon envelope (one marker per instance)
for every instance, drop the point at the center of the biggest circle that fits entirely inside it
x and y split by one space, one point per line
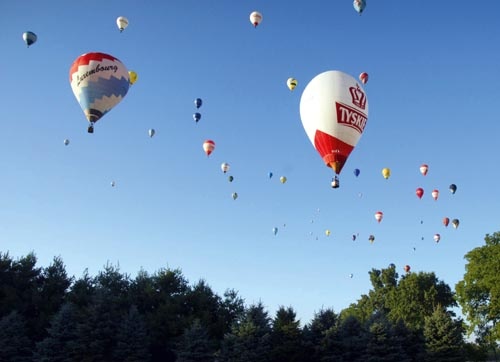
196 117
66 142
255 18
363 77
453 188
334 112
151 132
419 192
386 173
29 38
437 237
291 83
234 195
270 175
132 76
224 167
99 82
424 169
435 194
122 23
283 179
379 215
455 223
407 268
198 102
357 172
359 5
208 147
446 221
371 238
275 230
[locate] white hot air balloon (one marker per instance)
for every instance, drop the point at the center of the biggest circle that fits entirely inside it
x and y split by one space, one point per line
255 18
224 167
151 132
122 23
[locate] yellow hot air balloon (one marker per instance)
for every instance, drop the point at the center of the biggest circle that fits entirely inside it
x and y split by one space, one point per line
282 179
291 83
132 77
327 232
386 172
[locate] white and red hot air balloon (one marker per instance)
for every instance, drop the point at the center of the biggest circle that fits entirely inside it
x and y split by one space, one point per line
255 18
363 77
423 169
379 215
208 147
435 194
334 112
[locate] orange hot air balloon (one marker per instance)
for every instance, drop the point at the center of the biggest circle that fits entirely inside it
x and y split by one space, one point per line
419 192
407 268
208 147
446 221
423 169
435 194
334 112
379 215
363 77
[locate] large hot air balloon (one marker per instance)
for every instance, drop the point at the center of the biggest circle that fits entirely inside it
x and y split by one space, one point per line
419 192
363 77
356 172
379 215
99 82
386 173
255 18
334 112
423 169
224 167
198 102
453 188
208 147
122 23
455 223
435 194
29 38
359 5
291 83
437 237
446 221
132 76
196 117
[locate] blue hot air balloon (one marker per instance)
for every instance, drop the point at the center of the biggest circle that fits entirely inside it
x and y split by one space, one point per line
359 5
275 230
29 38
270 175
197 117
356 172
198 102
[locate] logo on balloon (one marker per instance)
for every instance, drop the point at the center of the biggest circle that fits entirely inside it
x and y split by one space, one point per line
358 97
350 117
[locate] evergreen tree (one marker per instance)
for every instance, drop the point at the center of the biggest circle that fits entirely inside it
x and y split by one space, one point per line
132 341
286 337
15 346
317 332
195 345
443 337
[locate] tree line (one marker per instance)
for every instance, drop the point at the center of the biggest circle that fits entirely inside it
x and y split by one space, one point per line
45 315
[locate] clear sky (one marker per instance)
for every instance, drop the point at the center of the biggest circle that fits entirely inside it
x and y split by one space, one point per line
433 98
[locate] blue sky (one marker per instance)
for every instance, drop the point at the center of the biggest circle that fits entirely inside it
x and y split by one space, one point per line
433 99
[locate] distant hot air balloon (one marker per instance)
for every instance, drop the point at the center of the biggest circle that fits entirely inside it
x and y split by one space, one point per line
371 239
255 18
208 147
453 188
283 179
275 230
99 82
132 76
113 184
437 237
407 268
29 38
419 192
423 169
234 195
386 173
392 266
359 5
455 223
353 237
198 102
151 132
66 142
270 175
363 77
351 275
224 167
291 83
435 194
122 23
230 178
327 232
379 215
196 117
446 221
356 172
334 112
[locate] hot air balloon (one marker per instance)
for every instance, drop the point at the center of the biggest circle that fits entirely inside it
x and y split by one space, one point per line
196 117
437 237
29 38
208 147
392 266
455 223
353 237
386 173
423 169
371 239
351 275
379 215
327 232
334 112
132 76
275 230
99 82
446 221
453 188
66 142
419 192
224 167
291 83
270 175
407 268
230 178
363 77
435 194
359 5
255 18
283 179
113 184
198 102
151 132
122 23
356 172
234 195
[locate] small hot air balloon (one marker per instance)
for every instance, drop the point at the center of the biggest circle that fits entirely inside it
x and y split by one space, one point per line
291 83
407 268
66 142
122 23
234 195
270 175
224 167
196 117
386 173
99 82
392 266
351 275
353 237
437 237
132 76
230 178
151 132
198 102
435 194
363 77
453 188
446 221
208 147
29 38
113 184
379 215
423 169
255 18
359 6
419 192
327 232
283 179
455 223
356 172
371 239
275 230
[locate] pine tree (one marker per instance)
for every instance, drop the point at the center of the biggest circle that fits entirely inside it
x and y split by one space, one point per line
132 342
195 345
443 337
15 346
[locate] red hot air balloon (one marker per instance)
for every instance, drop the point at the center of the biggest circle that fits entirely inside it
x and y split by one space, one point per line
363 77
407 268
423 169
379 215
446 221
435 194
208 147
334 112
420 192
